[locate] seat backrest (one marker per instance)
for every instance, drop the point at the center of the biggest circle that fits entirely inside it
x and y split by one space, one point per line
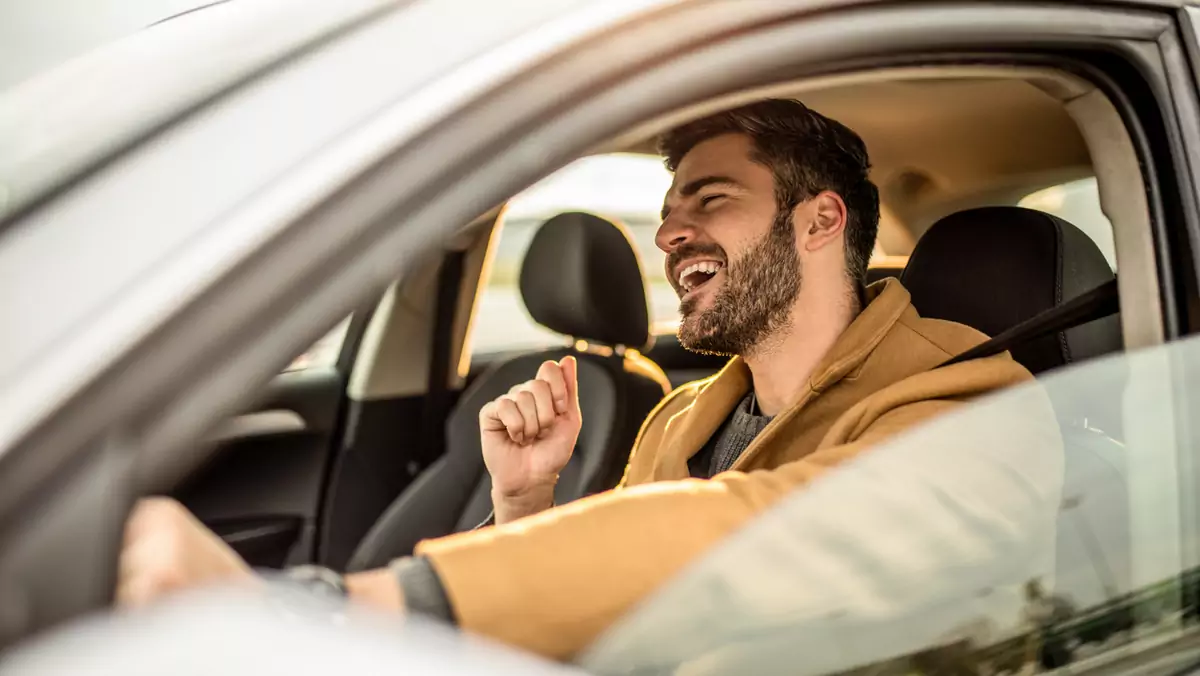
994 267
581 278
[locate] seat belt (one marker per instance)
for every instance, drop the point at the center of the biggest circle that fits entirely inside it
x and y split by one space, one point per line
437 391
1098 303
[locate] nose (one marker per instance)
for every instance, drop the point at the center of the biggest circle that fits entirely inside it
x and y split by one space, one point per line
673 233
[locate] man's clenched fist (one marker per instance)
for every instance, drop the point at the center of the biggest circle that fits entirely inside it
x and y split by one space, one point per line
167 549
528 436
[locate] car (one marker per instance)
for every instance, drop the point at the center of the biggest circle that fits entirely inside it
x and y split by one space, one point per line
274 278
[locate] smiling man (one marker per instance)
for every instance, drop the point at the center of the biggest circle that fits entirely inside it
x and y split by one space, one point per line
768 227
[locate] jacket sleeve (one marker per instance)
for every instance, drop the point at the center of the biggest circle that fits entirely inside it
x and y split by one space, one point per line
554 582
918 552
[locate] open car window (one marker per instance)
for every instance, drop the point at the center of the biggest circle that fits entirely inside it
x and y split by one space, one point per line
1040 527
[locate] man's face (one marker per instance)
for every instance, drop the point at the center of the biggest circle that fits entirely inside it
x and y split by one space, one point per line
731 256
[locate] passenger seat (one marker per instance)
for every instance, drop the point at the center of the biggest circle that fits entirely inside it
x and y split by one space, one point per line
994 267
580 278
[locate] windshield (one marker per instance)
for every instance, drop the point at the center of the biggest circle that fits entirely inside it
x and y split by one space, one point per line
1042 527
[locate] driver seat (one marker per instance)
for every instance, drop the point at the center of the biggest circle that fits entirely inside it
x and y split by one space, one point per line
580 278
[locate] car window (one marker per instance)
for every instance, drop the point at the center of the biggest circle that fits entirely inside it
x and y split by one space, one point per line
1045 526
1078 202
324 352
623 187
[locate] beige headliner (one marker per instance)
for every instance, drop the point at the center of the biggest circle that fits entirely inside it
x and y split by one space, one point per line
940 139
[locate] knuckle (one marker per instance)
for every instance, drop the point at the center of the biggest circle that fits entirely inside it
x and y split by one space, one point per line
157 584
170 544
159 513
133 594
157 506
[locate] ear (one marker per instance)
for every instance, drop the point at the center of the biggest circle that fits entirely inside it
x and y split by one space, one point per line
826 221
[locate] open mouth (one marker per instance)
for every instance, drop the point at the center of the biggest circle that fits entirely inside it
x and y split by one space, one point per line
698 274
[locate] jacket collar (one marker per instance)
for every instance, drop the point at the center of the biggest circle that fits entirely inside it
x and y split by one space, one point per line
692 427
886 302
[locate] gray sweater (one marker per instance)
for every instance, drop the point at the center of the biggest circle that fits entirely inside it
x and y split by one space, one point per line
729 441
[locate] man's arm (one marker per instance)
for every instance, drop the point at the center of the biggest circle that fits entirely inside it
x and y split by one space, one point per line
643 540
570 573
166 549
527 437
377 588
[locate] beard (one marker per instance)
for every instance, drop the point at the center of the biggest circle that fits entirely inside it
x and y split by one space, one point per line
755 301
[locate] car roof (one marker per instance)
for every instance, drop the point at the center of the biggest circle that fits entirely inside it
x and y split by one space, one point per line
196 56
59 123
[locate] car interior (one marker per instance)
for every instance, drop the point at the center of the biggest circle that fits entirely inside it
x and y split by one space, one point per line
352 456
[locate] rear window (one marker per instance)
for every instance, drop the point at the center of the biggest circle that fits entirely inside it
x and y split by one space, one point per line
1078 202
622 187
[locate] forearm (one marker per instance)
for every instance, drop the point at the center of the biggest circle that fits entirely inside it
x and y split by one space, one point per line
520 566
376 588
409 585
509 508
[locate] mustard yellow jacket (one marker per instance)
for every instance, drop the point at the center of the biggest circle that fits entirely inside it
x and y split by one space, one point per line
551 583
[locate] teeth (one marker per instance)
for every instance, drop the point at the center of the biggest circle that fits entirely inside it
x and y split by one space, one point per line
709 267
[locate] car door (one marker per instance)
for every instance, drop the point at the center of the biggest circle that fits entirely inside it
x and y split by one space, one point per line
263 487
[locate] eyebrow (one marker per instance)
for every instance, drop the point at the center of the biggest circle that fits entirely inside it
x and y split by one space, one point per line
692 187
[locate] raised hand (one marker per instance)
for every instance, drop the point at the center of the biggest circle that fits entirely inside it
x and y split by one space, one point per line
528 436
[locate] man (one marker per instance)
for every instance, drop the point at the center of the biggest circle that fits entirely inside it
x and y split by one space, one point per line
768 227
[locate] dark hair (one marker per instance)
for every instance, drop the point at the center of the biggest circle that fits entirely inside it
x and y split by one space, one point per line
807 153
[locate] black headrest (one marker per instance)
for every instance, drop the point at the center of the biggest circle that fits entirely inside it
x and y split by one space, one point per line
994 267
581 277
